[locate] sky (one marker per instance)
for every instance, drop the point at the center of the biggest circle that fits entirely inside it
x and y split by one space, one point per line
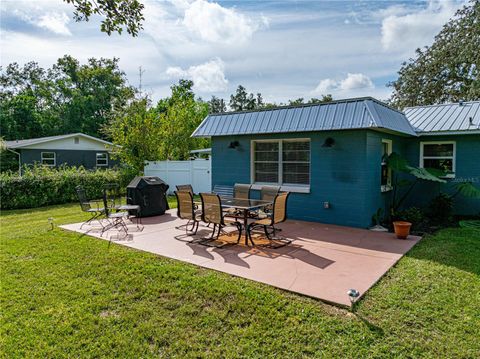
282 49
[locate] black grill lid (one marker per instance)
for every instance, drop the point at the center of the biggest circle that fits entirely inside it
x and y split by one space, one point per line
141 182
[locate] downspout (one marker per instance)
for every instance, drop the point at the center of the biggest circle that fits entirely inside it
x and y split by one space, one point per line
19 162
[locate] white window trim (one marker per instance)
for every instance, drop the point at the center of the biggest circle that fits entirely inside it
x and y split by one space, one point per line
388 186
54 159
453 157
96 159
298 188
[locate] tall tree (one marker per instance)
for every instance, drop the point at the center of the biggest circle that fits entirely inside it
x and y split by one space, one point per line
448 70
301 100
180 115
137 133
242 100
69 97
116 14
217 105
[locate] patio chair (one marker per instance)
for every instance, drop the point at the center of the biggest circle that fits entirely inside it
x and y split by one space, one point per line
185 188
278 215
241 191
186 210
116 203
116 218
223 191
212 213
267 193
86 206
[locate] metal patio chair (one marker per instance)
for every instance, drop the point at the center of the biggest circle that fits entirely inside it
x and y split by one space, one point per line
186 210
278 215
117 204
116 218
86 205
185 188
212 213
241 190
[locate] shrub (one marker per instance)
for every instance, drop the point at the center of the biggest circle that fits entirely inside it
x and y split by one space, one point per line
440 208
413 215
41 186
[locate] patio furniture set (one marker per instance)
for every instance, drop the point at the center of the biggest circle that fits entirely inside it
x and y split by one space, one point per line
227 206
111 212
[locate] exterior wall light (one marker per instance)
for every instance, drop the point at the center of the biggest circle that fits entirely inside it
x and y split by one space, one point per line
329 142
234 144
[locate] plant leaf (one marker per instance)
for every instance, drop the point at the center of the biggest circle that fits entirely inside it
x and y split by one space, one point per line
467 189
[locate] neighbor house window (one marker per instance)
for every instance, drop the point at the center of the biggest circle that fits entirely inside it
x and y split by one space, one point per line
438 155
102 159
386 173
48 158
76 140
283 162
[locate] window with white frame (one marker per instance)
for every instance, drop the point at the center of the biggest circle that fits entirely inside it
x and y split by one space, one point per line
386 173
438 155
283 162
102 159
48 158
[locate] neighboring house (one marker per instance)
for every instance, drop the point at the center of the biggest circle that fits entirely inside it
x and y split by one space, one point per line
330 156
76 149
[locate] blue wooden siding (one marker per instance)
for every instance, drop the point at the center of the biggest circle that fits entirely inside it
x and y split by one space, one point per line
348 174
467 168
339 175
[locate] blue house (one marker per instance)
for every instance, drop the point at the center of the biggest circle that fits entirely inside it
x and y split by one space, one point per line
75 149
329 156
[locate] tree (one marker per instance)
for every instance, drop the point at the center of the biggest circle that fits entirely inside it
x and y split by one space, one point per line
217 105
117 14
313 100
448 70
69 97
137 134
242 100
180 115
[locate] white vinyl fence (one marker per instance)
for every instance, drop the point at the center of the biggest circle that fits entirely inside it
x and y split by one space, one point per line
195 172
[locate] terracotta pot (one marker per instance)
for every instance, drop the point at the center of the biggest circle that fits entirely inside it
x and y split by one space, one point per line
402 229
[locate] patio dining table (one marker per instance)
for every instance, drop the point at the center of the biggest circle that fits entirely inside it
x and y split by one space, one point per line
244 206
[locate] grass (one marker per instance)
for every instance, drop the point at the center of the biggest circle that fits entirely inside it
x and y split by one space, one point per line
63 295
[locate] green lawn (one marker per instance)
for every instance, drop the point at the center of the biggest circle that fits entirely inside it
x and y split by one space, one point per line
66 295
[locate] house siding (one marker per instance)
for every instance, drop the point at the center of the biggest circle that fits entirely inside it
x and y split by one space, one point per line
339 175
467 169
348 174
83 158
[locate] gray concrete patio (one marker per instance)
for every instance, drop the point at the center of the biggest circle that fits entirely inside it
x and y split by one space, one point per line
323 261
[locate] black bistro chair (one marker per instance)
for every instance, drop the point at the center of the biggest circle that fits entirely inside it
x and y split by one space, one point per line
95 212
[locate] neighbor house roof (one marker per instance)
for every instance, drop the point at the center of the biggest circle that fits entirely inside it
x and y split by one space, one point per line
357 113
35 141
459 118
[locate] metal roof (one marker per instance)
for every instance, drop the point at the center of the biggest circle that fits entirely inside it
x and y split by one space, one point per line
461 117
34 141
357 113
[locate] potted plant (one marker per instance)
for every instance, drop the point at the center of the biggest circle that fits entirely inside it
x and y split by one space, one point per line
402 229
400 171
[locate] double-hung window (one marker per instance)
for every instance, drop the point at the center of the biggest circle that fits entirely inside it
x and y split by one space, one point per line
48 158
438 155
102 159
281 162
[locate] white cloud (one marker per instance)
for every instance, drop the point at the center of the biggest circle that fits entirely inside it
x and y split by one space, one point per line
214 23
404 30
349 84
55 22
207 77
